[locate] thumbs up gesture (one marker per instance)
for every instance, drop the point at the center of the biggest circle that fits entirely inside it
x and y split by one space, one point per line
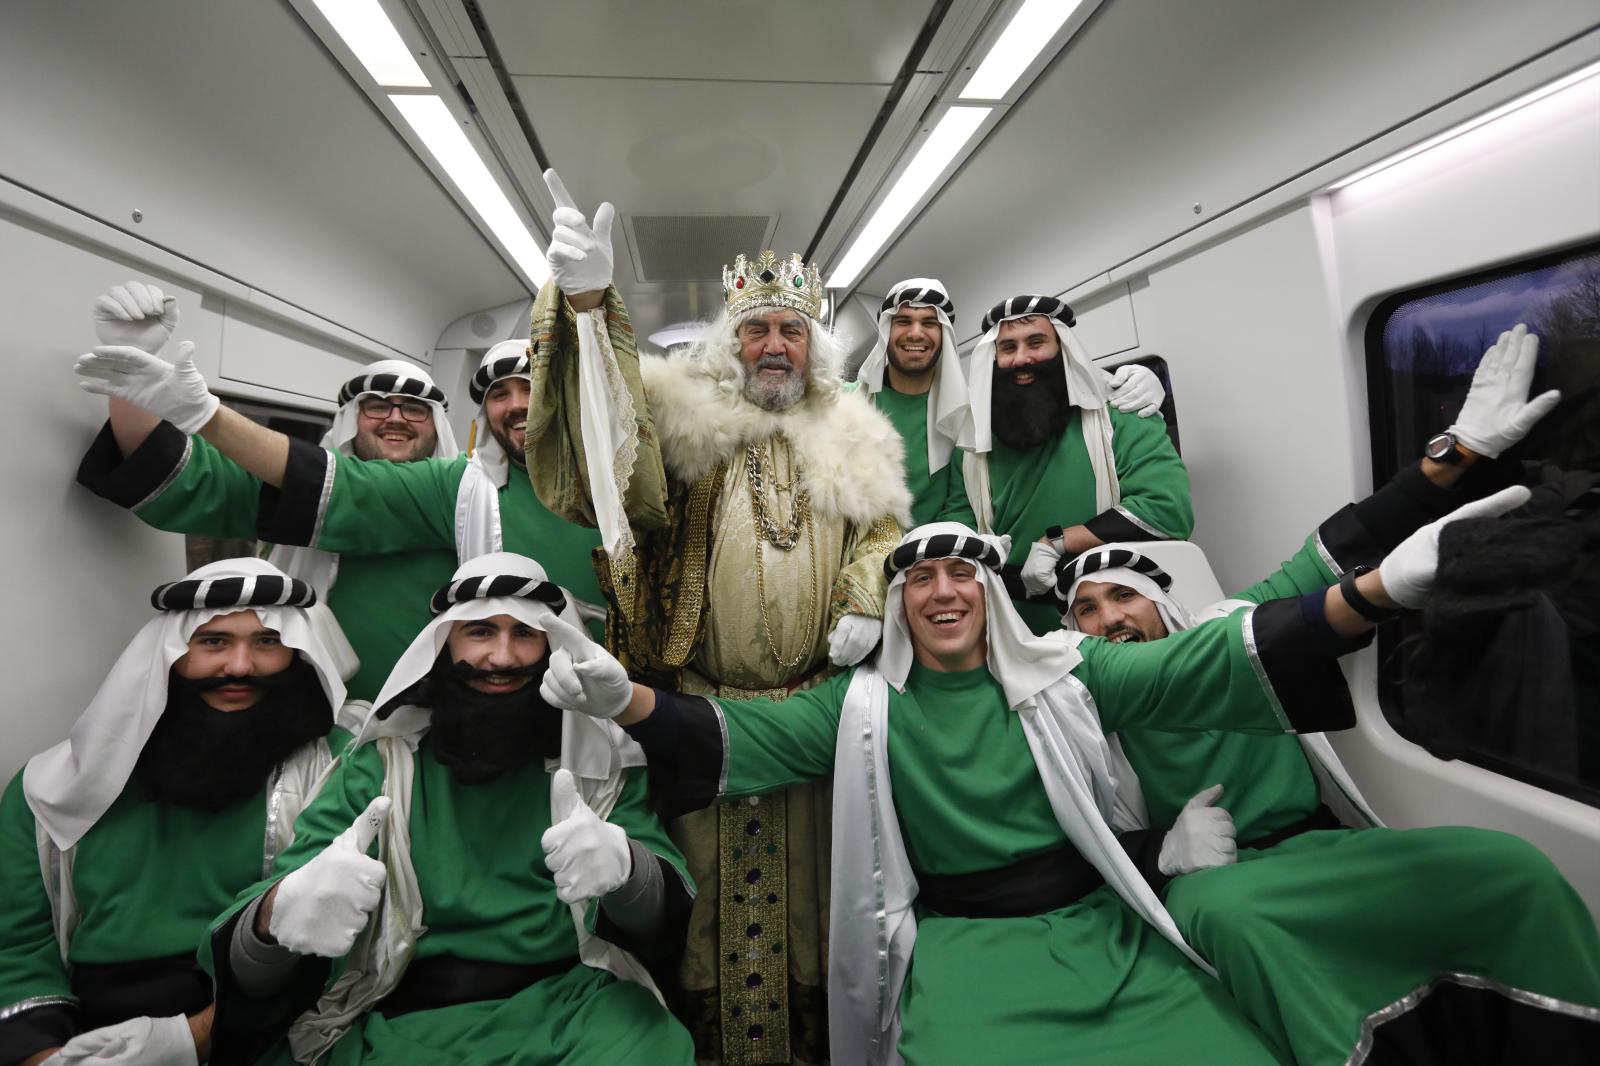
587 857
1200 838
320 908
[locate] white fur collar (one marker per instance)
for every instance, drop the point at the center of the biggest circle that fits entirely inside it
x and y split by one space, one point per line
851 459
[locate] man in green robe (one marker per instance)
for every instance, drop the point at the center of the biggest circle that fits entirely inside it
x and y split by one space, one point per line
177 787
391 411
233 474
517 858
913 376
973 792
1338 941
1051 464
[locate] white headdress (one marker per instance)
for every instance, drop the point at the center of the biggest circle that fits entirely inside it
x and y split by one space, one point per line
508 359
69 786
1120 565
1023 663
1085 388
387 377
488 585
949 415
390 377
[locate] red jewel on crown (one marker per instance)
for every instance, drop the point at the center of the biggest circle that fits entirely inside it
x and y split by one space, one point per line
739 284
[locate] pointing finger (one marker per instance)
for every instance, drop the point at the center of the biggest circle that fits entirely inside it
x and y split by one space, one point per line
558 189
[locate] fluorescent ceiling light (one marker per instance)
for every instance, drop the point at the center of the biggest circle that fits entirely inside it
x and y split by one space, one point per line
438 129
1471 124
948 137
1030 29
372 37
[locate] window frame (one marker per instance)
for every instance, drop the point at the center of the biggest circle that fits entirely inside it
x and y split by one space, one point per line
1383 431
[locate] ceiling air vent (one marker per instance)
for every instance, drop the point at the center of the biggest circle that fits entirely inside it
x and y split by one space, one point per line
693 247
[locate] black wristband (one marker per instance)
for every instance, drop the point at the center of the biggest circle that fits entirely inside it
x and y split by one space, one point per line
1359 603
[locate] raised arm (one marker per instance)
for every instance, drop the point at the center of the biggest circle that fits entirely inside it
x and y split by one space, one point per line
587 413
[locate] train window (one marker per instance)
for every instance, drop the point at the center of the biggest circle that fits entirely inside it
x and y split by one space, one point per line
198 550
1524 697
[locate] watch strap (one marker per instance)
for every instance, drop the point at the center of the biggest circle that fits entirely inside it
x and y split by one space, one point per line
1359 603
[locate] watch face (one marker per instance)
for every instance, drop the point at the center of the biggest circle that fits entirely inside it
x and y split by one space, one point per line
1440 448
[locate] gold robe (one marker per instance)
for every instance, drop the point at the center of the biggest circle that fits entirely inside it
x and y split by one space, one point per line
704 604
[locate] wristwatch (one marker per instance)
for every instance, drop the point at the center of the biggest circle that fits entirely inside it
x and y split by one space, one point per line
1442 449
1359 603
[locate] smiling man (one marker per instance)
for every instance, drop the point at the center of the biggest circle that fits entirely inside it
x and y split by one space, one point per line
983 910
1471 944
1052 464
119 844
391 411
520 867
913 375
331 500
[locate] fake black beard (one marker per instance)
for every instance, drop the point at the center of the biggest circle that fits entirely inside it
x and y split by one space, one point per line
481 735
198 756
1026 416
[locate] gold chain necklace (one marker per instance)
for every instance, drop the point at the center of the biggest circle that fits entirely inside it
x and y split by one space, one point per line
784 538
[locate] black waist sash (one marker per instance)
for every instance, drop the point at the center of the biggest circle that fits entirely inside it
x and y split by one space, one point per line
112 992
447 980
1039 883
1321 818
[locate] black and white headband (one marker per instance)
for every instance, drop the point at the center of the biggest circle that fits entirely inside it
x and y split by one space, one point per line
491 587
1018 306
1070 571
504 367
920 294
390 384
942 546
257 590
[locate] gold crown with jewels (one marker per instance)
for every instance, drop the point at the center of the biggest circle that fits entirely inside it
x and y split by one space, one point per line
771 282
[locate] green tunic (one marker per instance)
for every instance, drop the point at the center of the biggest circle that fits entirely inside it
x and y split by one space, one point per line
934 497
1267 783
1314 935
149 877
381 602
488 895
1086 983
380 508
1053 485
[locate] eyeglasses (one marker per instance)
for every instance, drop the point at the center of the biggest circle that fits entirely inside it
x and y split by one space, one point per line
380 406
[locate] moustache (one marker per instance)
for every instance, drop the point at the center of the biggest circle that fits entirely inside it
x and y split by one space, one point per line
774 362
1036 370
458 671
261 681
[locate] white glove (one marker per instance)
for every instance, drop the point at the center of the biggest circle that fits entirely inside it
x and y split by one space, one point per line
135 1042
587 856
1136 388
177 393
1409 570
1039 568
322 907
135 315
1497 412
853 639
579 255
1202 837
596 685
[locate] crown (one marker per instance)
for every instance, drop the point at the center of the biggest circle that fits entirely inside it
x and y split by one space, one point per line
770 282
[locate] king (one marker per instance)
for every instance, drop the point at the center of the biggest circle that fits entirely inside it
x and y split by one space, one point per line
745 504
